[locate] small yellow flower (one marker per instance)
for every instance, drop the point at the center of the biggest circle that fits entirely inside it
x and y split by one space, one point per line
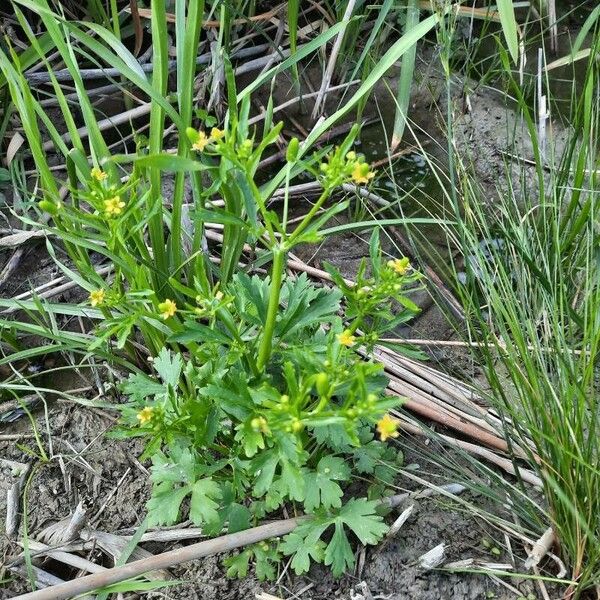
387 427
399 265
216 134
346 338
113 206
145 415
97 297
167 309
98 174
362 173
219 295
201 142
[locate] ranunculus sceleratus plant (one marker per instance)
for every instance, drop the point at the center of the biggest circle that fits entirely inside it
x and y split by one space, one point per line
257 396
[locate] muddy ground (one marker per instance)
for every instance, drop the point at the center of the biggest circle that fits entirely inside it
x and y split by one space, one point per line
106 475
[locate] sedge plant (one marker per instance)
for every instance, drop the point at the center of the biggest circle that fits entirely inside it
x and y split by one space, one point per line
532 303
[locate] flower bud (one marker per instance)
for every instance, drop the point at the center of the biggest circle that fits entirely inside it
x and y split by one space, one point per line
322 384
49 207
292 150
192 134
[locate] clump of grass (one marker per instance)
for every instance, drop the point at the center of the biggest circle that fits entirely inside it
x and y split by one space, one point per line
532 298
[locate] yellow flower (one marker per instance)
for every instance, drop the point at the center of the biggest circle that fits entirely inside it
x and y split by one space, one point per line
387 427
201 142
362 173
216 134
346 338
113 206
399 265
145 415
167 308
97 297
98 174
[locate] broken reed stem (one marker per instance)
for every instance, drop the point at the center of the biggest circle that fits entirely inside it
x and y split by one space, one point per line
165 560
503 463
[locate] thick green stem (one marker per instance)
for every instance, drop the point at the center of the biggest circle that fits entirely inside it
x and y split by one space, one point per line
266 343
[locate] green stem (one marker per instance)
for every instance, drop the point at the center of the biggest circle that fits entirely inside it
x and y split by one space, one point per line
307 219
266 343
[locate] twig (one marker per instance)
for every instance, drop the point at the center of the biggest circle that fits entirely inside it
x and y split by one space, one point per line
146 13
11 265
86 74
76 524
432 558
95 518
297 99
13 499
408 150
42 291
65 557
42 578
540 548
437 415
395 528
173 535
463 344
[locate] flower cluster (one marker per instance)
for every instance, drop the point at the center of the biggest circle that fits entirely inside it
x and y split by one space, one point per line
207 305
377 302
145 415
340 168
400 266
106 199
200 140
113 206
98 174
389 282
244 150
